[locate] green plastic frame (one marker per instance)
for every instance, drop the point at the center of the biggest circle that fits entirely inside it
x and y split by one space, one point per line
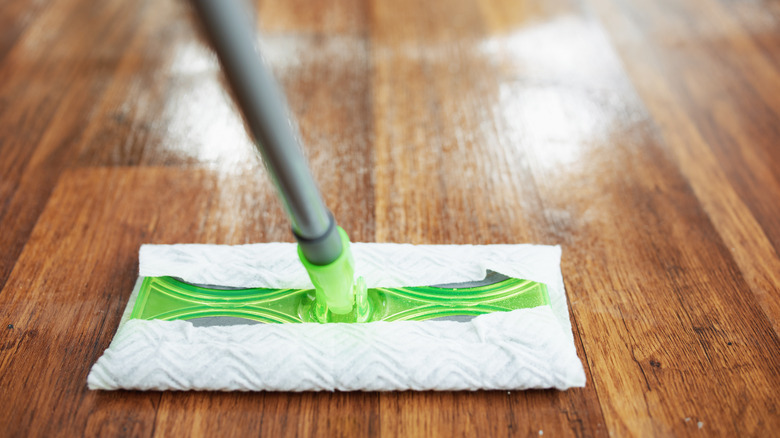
167 298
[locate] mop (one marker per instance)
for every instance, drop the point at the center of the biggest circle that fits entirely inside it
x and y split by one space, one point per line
327 314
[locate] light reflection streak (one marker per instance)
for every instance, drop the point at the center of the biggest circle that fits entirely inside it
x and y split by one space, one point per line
555 93
202 122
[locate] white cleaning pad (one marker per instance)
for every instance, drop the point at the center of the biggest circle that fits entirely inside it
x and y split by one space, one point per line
527 348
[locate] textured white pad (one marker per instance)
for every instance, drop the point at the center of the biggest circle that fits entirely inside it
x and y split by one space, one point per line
527 348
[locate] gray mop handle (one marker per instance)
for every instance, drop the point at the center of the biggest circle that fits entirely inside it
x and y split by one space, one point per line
229 26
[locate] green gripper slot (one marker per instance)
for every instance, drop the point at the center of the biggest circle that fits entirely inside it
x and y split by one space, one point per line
168 298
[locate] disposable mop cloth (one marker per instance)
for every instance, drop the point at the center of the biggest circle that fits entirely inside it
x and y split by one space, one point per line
521 349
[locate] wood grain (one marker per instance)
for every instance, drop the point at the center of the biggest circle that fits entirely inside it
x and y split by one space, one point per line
639 135
696 135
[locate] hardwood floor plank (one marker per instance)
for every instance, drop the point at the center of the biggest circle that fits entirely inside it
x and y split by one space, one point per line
760 20
330 17
52 102
595 164
273 414
64 314
711 175
15 17
130 126
435 142
29 99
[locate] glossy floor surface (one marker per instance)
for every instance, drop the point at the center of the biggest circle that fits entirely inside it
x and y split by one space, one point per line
642 136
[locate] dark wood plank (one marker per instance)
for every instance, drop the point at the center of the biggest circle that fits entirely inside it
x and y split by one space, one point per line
48 87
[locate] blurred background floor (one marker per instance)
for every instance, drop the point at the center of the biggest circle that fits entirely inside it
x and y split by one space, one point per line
642 136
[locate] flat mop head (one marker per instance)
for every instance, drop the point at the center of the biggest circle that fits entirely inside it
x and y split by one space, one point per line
178 333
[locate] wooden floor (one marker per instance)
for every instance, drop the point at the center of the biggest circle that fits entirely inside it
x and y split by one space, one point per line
641 135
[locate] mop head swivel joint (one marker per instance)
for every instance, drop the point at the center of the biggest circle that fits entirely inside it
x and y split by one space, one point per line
336 289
